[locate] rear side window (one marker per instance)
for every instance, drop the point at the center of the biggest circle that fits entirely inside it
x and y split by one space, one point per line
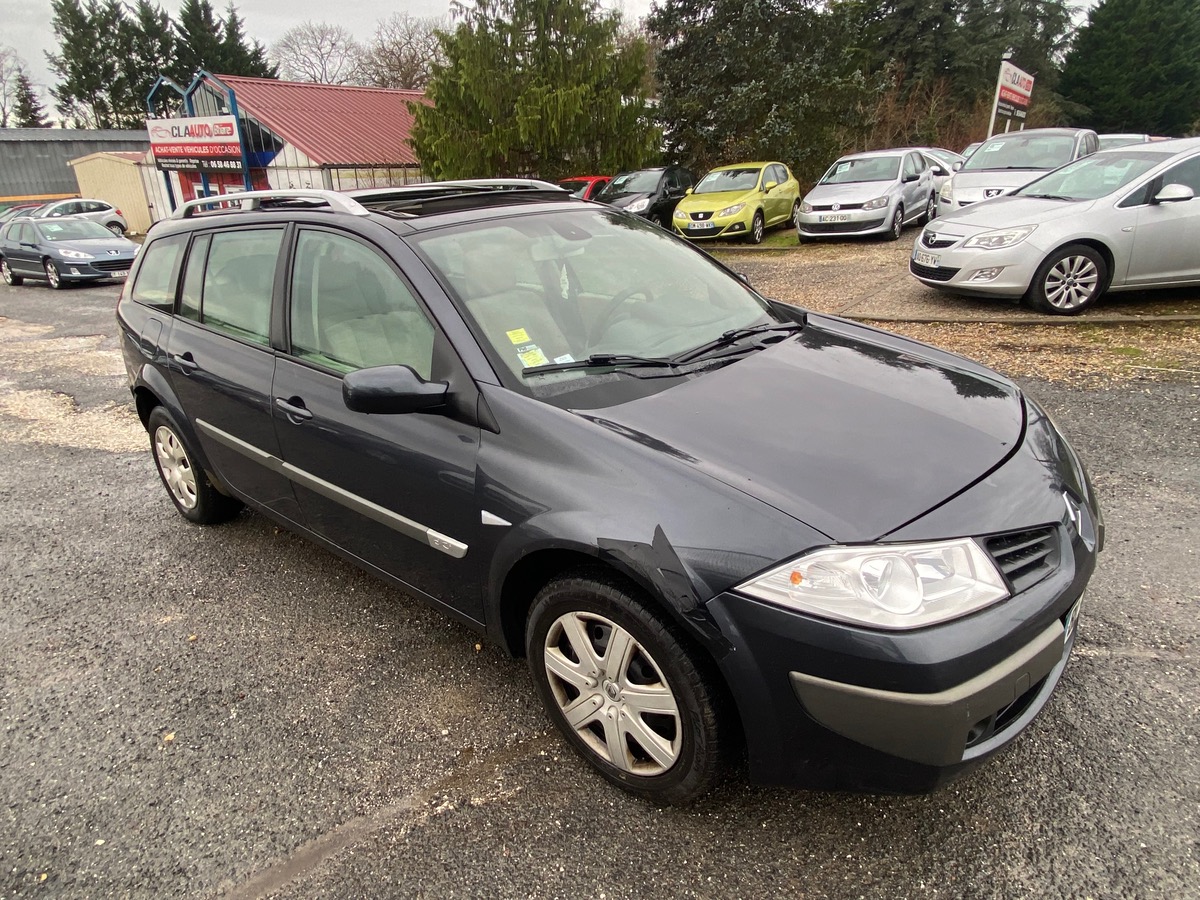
238 280
159 272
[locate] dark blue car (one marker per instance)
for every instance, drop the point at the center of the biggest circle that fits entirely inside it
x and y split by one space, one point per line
62 251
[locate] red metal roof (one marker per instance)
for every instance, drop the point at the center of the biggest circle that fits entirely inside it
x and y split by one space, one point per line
332 124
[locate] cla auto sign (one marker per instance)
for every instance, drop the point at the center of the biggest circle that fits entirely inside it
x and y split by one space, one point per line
1013 90
197 144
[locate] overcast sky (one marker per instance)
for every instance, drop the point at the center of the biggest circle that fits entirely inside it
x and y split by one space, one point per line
25 24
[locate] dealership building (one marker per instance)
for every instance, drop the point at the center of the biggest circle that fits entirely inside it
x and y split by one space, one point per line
225 134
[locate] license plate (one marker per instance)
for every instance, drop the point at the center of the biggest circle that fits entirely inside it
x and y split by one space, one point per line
701 226
922 258
123 273
836 217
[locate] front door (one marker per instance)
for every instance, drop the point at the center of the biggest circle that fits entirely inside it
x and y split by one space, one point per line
1167 234
396 491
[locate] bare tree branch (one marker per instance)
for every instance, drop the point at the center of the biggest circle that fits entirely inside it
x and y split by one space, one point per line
318 52
10 68
403 51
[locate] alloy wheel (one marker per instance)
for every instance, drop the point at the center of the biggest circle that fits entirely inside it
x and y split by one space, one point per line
176 468
52 274
6 272
116 229
613 693
758 228
1071 282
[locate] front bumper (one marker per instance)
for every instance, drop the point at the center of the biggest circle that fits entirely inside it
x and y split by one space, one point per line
826 705
93 270
828 223
737 225
961 270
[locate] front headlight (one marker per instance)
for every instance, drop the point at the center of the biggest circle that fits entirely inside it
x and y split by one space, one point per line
888 586
638 205
679 214
75 254
731 210
877 203
806 207
947 190
1000 238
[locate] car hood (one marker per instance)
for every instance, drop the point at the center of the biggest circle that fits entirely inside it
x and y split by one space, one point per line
98 246
853 192
852 431
1006 212
971 186
714 201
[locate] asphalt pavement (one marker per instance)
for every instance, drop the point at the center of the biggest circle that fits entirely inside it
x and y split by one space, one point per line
232 712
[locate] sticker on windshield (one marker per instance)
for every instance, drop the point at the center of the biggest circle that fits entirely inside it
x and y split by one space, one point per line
993 146
531 355
518 336
565 358
842 167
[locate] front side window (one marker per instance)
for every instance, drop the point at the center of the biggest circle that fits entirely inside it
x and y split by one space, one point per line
1186 173
643 182
350 310
238 280
159 269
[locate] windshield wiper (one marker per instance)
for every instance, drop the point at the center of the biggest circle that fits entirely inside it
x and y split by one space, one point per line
732 337
600 360
1050 197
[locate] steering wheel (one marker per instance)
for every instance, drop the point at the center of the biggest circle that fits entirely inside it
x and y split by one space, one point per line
606 319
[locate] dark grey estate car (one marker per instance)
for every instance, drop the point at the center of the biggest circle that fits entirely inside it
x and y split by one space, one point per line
62 251
709 520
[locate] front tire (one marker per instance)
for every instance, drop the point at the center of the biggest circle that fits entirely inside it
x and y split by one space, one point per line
187 484
1070 280
757 228
53 276
930 210
9 276
897 227
628 690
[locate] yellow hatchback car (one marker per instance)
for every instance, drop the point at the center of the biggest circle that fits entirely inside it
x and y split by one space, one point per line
742 200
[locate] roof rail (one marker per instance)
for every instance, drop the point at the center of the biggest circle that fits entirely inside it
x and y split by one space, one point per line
254 199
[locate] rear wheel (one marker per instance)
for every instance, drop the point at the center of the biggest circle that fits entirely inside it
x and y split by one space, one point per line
116 229
187 483
52 275
1069 281
9 276
628 691
757 228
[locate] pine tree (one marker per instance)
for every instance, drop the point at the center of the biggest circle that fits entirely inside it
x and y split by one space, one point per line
1135 66
198 41
88 70
535 87
147 46
28 111
240 57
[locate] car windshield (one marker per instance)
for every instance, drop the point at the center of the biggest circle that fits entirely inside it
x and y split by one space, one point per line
867 168
626 183
1094 176
1113 141
1039 151
72 230
728 180
555 288
945 157
576 188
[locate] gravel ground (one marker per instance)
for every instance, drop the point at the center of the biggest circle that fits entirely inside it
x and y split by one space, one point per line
231 712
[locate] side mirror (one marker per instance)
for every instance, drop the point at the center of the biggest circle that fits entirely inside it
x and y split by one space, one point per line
388 390
939 171
958 165
1174 193
688 191
910 178
770 186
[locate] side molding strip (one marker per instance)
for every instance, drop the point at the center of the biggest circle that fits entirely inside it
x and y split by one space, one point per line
374 511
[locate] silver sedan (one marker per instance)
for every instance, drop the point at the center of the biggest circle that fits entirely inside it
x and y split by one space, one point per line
1124 219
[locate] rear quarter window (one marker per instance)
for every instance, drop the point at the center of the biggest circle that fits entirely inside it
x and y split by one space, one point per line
159 272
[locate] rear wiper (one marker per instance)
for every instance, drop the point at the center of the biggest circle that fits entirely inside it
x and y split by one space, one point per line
732 337
599 360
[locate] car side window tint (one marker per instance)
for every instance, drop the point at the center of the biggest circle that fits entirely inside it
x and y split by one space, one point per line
238 281
159 272
1186 173
193 279
350 310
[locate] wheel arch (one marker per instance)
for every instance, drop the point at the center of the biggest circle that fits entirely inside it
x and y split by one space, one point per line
1095 244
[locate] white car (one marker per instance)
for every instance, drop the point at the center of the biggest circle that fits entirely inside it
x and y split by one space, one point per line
1005 162
1124 219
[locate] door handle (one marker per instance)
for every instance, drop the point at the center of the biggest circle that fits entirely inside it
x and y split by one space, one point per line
294 409
186 362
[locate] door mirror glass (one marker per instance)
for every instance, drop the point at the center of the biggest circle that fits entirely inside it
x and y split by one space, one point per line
1174 193
389 390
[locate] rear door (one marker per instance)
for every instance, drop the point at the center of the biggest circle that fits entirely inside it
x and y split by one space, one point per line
221 362
395 491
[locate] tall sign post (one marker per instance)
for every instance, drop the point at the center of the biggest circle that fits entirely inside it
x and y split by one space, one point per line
1013 90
